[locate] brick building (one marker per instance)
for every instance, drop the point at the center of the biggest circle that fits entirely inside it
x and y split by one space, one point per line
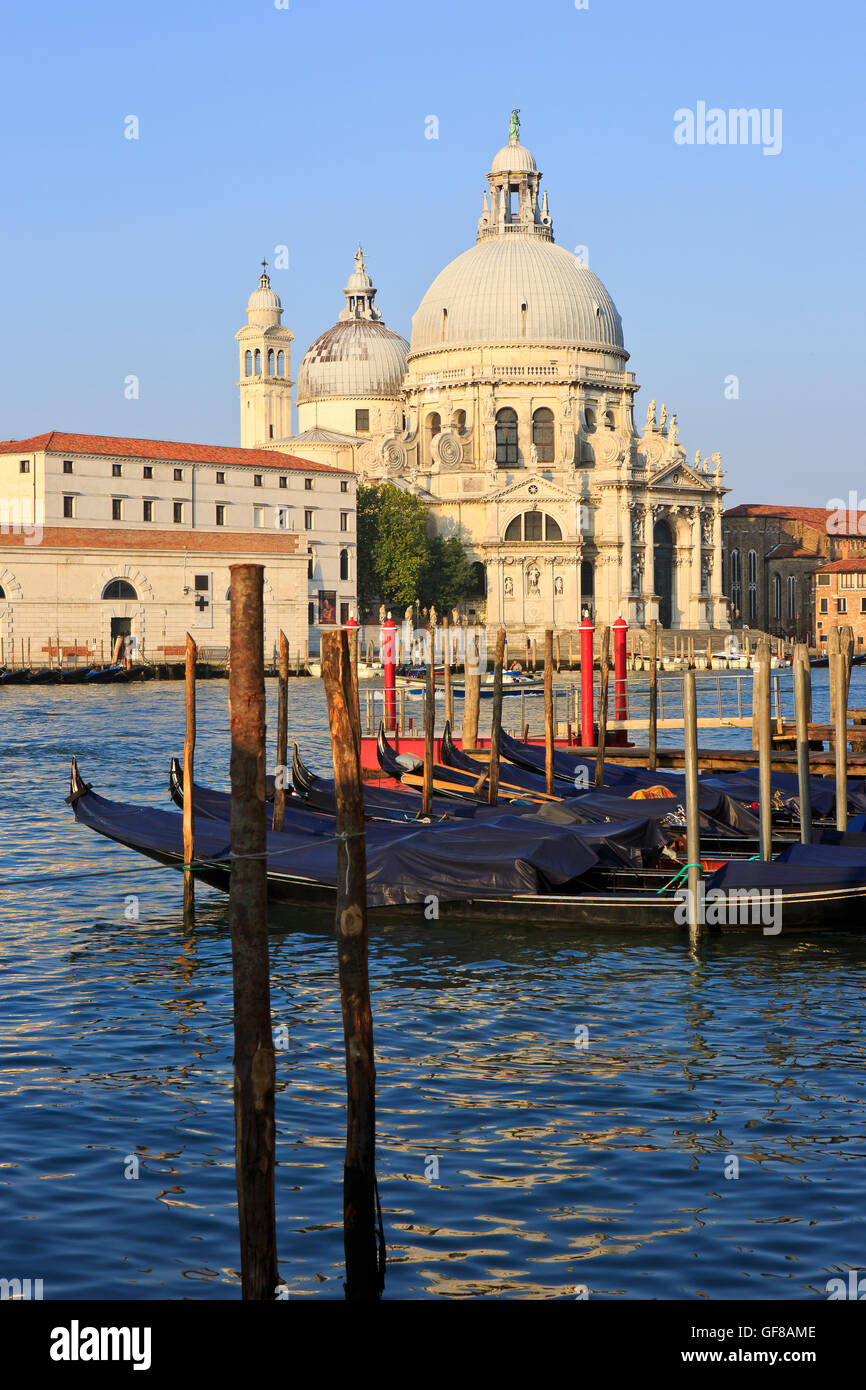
840 600
769 558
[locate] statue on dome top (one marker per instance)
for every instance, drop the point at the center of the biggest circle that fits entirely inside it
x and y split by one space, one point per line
651 416
514 125
673 431
663 418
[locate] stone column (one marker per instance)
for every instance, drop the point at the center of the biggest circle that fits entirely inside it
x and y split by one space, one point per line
695 615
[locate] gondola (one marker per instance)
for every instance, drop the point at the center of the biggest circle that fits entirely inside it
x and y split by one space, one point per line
380 803
527 874
16 677
450 781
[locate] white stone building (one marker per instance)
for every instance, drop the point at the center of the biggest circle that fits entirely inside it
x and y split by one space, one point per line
510 412
105 536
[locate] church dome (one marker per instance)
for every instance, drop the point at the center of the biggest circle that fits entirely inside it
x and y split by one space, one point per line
513 158
359 356
516 285
512 289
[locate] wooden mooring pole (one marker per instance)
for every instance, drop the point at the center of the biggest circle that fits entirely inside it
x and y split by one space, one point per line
282 770
839 682
471 691
548 711
693 816
429 724
446 657
801 714
248 908
762 736
188 785
496 720
364 1268
653 695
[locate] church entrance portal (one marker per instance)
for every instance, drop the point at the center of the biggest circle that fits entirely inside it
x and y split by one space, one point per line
663 570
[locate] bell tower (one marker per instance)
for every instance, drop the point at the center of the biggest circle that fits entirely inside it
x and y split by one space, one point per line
265 349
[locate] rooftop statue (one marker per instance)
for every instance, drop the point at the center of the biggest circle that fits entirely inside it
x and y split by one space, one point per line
651 416
514 127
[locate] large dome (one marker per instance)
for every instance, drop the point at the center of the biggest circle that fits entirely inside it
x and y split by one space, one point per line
357 357
515 288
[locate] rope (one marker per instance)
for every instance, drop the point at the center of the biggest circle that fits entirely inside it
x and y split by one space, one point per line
678 875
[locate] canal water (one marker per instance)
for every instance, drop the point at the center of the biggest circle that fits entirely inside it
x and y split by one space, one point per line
558 1113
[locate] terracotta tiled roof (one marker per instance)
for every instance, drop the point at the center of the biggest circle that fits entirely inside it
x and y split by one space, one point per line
791 551
843 566
116 446
814 516
227 542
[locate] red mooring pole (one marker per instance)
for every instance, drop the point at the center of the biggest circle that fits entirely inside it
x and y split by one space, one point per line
620 684
389 662
587 632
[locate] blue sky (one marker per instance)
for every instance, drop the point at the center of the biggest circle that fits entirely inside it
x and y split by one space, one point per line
305 126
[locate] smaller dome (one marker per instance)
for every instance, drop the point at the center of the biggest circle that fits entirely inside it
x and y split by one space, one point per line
514 158
357 357
264 297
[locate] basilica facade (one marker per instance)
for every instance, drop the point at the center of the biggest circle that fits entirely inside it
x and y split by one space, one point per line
511 414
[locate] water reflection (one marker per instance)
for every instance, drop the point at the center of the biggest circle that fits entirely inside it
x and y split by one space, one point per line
556 1166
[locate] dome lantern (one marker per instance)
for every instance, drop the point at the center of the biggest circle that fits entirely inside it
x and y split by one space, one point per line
360 293
514 182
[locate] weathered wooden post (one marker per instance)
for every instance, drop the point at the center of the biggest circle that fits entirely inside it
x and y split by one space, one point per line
558 653
248 907
838 682
693 816
496 720
801 668
653 695
282 769
429 724
363 1271
762 731
446 653
548 711
188 785
602 706
471 691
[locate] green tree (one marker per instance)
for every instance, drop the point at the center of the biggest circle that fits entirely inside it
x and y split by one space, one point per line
449 578
393 549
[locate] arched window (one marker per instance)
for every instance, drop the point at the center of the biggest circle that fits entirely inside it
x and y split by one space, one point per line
344 564
119 588
270 361
792 597
735 567
248 363
459 421
542 434
434 425
777 596
589 417
479 588
506 438
753 586
533 526
609 419
258 362
281 364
